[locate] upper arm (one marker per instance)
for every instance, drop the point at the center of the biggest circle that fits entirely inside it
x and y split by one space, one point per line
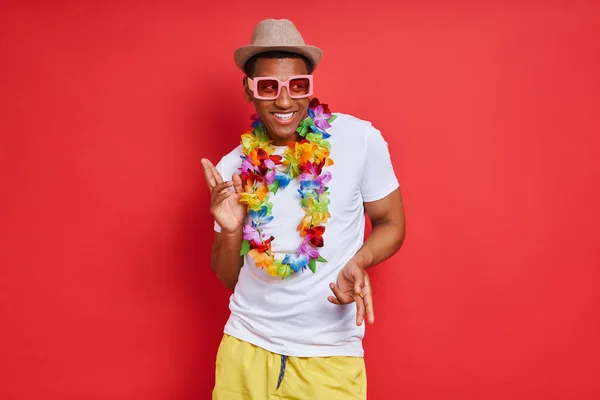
379 185
387 210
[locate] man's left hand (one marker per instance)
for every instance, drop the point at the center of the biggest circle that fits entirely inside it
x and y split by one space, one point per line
354 285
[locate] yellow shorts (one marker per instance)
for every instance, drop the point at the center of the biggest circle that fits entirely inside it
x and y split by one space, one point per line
245 371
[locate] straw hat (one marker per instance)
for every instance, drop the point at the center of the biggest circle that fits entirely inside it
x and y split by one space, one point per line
276 35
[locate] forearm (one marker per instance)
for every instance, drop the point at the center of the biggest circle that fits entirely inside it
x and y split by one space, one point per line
226 261
384 241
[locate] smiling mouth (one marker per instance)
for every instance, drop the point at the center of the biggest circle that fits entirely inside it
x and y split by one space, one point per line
283 117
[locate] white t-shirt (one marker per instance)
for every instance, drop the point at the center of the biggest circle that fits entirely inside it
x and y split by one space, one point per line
293 316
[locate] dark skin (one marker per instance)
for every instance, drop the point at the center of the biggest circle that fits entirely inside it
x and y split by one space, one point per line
386 215
281 134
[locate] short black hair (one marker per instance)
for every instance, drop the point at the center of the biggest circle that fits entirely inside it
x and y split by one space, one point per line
251 63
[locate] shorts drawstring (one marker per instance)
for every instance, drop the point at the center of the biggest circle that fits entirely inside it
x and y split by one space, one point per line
282 370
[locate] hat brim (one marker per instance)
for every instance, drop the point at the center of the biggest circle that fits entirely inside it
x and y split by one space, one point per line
244 53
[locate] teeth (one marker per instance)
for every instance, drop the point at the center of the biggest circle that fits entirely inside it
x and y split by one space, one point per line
284 116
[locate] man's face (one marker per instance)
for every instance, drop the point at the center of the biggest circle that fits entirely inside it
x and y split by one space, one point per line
280 130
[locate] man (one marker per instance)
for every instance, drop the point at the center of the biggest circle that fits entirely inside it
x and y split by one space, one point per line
293 205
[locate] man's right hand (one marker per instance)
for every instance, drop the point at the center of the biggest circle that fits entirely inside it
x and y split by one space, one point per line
225 207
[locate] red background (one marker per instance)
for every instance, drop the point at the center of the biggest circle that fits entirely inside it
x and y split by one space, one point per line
491 112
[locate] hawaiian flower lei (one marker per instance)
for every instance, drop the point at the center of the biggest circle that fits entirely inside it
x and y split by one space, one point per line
262 172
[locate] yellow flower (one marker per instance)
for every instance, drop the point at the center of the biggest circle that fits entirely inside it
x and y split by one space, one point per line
313 219
251 142
310 152
254 200
279 269
250 199
319 218
273 269
322 152
304 152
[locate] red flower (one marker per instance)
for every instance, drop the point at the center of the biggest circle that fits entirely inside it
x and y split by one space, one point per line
312 168
276 159
264 246
315 235
261 154
250 177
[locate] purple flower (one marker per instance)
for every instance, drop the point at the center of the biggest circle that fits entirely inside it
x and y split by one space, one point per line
269 163
247 165
252 234
270 176
321 117
310 181
308 250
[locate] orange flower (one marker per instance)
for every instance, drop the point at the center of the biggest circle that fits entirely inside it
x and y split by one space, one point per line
261 258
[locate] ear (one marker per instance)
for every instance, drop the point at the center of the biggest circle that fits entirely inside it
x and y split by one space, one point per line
247 91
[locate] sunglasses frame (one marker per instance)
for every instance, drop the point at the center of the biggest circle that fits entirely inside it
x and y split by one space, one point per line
253 84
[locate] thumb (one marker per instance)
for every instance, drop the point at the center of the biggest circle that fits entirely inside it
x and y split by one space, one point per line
359 279
237 183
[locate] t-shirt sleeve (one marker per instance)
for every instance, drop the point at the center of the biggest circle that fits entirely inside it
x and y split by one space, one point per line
379 178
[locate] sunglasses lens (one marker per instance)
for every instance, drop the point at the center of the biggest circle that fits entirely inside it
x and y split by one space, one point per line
267 88
299 87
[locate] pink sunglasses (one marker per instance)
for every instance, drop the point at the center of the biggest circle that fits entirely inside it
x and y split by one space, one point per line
269 87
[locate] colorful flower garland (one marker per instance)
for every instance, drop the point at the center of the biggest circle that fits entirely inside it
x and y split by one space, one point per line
262 172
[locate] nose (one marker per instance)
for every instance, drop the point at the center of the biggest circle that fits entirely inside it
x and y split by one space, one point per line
284 101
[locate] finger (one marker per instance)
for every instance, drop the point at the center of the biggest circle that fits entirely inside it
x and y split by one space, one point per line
368 302
367 295
208 175
210 169
334 300
216 174
220 197
219 194
237 183
224 194
360 310
219 187
359 279
344 299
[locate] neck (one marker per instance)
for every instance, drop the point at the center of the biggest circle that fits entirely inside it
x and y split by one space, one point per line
283 142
